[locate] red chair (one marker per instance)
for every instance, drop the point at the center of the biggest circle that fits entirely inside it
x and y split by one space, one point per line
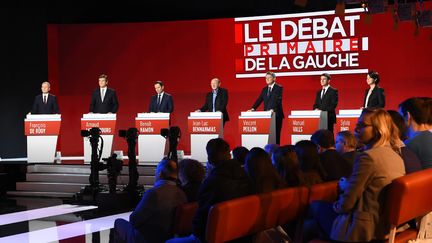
409 197
248 215
183 218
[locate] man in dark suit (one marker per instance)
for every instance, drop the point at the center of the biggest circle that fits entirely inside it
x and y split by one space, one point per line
216 100
162 101
374 96
45 103
104 99
272 97
334 164
326 100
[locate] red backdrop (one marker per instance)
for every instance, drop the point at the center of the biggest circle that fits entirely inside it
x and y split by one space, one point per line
186 55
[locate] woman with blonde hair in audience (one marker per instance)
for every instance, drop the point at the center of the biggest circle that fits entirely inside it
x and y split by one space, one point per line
357 215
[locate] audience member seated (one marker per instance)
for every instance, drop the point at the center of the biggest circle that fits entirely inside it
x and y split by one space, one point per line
417 113
226 181
358 214
239 154
346 146
285 162
309 161
333 163
259 168
191 175
270 148
411 161
152 219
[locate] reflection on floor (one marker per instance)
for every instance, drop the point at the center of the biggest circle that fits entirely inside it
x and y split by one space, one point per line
49 220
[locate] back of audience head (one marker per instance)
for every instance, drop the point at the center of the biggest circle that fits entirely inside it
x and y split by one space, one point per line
345 142
375 128
217 151
324 139
239 154
166 170
308 157
259 168
399 121
287 165
191 171
416 111
270 148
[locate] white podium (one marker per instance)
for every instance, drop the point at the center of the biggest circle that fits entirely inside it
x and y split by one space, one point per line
257 128
303 123
204 126
42 134
106 123
152 147
347 119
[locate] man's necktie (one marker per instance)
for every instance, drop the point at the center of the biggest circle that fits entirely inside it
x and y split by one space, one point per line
44 99
214 100
268 91
322 93
103 94
158 102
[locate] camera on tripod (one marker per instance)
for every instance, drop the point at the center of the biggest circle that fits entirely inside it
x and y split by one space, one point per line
173 135
93 132
131 133
114 167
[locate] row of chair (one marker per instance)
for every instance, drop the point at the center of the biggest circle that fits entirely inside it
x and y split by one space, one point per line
408 199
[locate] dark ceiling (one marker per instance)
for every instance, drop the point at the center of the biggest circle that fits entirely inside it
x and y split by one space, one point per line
185 10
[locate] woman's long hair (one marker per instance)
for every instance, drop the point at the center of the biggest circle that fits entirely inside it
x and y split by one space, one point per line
385 131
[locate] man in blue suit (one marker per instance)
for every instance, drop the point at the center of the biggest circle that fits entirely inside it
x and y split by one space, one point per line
45 103
104 100
162 101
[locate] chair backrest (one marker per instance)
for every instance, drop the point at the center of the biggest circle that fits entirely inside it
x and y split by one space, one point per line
183 218
327 191
233 219
248 215
410 197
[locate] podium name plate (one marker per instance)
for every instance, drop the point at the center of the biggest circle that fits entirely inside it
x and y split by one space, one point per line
41 128
303 125
254 125
107 127
145 126
204 126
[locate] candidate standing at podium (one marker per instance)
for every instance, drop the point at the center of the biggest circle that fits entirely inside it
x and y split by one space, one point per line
216 100
161 101
326 100
45 103
104 100
374 96
271 95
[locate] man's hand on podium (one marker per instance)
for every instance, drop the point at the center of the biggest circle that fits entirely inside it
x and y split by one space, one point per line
198 111
251 110
317 109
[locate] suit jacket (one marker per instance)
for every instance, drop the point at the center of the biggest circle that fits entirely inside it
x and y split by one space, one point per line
328 103
226 181
221 102
166 105
335 165
51 107
360 207
272 101
109 104
153 217
376 99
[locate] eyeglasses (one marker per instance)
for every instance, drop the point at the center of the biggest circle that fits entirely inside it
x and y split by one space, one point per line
362 125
